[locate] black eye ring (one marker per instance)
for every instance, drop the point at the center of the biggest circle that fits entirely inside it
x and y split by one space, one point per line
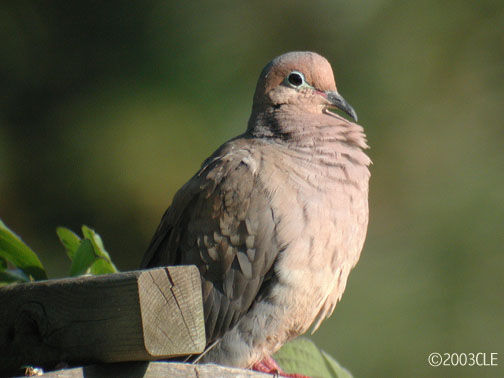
295 79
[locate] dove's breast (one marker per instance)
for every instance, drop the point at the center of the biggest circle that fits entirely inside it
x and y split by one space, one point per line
320 206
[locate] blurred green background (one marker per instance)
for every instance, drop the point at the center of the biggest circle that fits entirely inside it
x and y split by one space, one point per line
107 108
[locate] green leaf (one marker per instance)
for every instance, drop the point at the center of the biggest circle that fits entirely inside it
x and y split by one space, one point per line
14 250
12 275
302 356
103 265
83 259
70 240
96 240
335 367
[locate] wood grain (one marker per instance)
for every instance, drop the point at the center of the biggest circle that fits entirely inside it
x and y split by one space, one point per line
155 369
131 316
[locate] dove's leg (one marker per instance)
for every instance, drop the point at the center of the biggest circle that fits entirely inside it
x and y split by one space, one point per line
269 365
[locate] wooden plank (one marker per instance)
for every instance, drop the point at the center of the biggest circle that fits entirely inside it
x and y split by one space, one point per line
131 316
172 311
155 369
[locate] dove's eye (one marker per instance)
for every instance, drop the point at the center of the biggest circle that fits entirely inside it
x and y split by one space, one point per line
295 79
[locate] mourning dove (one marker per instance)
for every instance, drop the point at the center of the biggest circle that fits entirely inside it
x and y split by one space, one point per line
276 218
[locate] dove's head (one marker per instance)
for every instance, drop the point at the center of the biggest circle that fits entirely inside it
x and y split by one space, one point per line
303 79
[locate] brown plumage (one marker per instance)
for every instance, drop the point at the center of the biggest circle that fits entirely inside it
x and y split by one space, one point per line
276 218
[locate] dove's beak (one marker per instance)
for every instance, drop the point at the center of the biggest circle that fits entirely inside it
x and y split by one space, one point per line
336 100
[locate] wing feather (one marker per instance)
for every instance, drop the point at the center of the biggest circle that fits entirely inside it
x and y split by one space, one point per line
217 221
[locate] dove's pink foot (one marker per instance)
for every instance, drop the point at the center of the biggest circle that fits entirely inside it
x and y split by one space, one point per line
268 365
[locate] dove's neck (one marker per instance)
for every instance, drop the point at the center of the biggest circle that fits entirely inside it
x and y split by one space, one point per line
302 130
316 145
